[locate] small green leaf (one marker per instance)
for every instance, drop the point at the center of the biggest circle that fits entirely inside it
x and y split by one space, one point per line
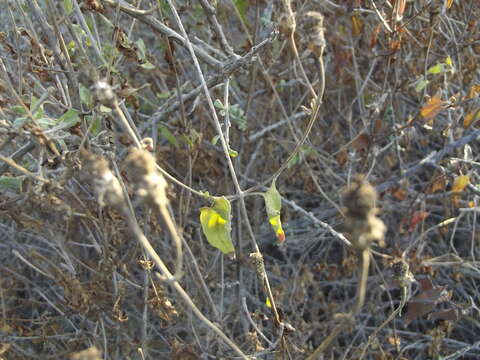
215 139
449 61
20 110
70 118
216 225
167 134
96 126
218 104
273 205
46 122
86 95
68 6
105 109
232 153
421 84
142 50
436 69
10 183
148 66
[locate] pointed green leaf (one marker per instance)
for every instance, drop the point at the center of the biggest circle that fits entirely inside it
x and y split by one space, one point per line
273 205
216 225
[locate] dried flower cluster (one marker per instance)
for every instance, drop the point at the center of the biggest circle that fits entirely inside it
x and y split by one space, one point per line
149 183
315 32
106 184
362 222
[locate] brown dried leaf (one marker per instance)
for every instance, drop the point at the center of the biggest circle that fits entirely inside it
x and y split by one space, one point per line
471 117
432 108
426 300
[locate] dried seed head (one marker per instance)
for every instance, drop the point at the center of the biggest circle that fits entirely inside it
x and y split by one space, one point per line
104 93
148 181
360 198
361 221
315 32
106 184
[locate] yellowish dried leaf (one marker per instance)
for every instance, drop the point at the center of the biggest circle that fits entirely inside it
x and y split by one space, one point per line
357 25
460 183
474 91
471 117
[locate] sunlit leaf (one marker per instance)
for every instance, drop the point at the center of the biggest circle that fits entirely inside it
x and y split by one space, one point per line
436 69
268 303
232 153
471 117
432 108
273 205
357 25
216 225
449 4
460 183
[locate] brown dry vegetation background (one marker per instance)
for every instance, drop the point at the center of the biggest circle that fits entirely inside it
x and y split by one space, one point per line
396 85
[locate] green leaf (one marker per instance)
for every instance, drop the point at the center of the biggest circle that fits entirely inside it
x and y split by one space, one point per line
216 225
147 66
215 139
96 126
70 118
46 122
86 96
167 134
68 5
421 84
436 69
20 110
10 183
241 6
273 205
142 50
218 104
232 153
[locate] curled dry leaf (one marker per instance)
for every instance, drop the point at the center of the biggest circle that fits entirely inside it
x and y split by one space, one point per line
428 298
432 108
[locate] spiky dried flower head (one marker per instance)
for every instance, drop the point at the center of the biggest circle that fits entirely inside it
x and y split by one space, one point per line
361 221
315 32
106 185
149 183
